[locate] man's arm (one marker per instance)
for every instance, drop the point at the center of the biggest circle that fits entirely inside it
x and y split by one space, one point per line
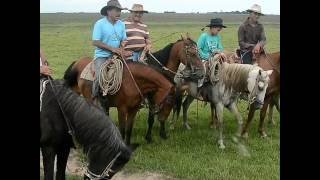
242 43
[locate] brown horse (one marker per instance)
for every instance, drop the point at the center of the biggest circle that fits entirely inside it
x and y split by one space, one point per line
167 60
266 62
127 99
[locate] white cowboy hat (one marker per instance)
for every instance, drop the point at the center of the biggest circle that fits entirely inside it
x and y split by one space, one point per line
138 8
255 8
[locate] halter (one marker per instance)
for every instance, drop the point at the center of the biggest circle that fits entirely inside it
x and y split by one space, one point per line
105 173
193 74
253 95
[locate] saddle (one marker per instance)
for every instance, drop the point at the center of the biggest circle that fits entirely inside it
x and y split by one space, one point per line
89 72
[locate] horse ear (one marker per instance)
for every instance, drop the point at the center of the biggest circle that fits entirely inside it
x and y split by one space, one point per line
188 37
182 38
269 72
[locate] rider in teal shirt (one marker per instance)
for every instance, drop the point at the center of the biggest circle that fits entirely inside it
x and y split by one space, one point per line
209 43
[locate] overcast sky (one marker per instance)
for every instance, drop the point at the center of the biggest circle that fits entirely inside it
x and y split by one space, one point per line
180 6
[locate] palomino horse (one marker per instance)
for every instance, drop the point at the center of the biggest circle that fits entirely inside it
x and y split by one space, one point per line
232 80
63 110
267 62
128 99
167 60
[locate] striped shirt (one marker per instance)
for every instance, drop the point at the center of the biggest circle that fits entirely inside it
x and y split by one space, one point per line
137 35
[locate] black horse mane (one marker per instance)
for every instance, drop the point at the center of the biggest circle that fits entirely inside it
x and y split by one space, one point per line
163 54
94 130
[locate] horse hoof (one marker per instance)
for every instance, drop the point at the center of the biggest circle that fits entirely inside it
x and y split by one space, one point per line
245 135
148 139
186 125
163 136
221 145
263 135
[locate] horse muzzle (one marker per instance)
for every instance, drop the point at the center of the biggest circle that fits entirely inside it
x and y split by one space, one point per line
258 104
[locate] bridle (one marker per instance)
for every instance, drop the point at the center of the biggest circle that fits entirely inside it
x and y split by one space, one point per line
105 173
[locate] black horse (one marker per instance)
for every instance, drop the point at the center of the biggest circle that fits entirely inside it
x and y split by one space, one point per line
93 130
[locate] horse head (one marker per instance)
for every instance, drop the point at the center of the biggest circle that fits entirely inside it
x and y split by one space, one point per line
258 80
189 56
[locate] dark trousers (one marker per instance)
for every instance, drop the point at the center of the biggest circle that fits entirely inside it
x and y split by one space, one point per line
246 57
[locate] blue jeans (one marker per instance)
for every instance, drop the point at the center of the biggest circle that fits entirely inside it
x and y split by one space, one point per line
97 63
135 56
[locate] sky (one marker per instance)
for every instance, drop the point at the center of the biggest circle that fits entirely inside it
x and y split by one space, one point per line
179 6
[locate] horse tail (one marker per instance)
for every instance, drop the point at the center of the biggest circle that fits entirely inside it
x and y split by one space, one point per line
178 101
70 75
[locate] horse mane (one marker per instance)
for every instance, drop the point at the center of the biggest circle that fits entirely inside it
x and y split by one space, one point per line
163 54
234 76
94 130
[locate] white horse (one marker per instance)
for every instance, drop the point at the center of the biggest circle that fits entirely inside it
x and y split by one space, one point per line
226 83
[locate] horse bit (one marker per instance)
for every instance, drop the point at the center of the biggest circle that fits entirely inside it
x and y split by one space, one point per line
105 174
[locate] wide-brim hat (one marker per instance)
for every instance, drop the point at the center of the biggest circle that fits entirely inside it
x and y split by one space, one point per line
111 4
138 8
216 22
256 8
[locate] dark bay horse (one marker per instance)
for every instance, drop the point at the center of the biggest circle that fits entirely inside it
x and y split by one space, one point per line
267 62
93 130
127 99
183 51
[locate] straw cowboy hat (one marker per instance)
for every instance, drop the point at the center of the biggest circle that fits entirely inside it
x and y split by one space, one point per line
137 8
110 4
217 22
255 8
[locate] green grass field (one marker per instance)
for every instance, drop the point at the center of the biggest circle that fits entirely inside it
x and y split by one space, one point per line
187 154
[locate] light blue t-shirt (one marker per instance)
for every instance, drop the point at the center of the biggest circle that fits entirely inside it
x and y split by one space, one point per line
109 34
209 44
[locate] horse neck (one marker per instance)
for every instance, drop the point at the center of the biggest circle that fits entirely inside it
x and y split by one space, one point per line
174 58
235 76
87 120
273 57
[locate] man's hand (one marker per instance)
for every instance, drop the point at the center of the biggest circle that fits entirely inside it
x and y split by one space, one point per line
127 53
223 56
256 49
148 47
116 51
45 70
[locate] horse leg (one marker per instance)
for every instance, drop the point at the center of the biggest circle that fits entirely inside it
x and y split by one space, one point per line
162 117
233 108
148 136
62 158
130 120
244 132
219 111
48 156
213 123
270 114
173 119
122 116
262 116
186 105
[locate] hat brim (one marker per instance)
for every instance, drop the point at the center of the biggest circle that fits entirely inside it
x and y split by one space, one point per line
103 10
138 11
249 10
211 25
